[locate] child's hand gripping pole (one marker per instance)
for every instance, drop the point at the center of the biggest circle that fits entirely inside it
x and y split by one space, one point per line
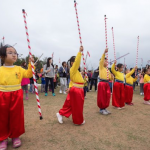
32 65
106 45
84 64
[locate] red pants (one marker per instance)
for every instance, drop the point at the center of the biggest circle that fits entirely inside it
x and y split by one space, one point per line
118 98
11 114
74 105
128 94
103 95
147 92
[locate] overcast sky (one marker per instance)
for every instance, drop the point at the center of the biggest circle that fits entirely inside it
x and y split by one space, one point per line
53 28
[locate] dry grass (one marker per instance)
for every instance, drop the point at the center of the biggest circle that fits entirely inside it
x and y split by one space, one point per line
126 129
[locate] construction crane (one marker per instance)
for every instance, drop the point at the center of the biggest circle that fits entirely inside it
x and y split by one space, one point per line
111 62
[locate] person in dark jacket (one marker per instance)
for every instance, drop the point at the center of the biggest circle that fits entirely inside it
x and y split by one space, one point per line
89 74
68 75
94 79
36 76
63 78
56 73
31 85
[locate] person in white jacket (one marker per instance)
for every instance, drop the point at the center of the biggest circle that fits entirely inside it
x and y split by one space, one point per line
63 77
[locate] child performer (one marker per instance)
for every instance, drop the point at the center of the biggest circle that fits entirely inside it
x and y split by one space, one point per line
75 98
11 97
147 86
129 86
43 83
104 93
25 81
118 97
63 78
85 83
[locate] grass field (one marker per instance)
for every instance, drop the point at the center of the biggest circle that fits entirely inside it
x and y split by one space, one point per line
126 129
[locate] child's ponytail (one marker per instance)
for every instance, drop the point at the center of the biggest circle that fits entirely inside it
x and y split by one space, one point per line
72 59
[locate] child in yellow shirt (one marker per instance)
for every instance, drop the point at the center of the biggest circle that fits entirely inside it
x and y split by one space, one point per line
11 97
104 93
147 86
129 86
75 98
118 97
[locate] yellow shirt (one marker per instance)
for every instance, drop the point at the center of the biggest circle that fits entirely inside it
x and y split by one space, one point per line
75 75
118 75
103 70
129 79
10 78
146 78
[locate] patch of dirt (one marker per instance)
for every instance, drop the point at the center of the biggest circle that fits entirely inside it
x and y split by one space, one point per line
126 129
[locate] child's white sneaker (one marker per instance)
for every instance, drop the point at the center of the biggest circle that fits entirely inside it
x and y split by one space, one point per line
59 117
64 92
107 111
141 94
60 91
103 112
